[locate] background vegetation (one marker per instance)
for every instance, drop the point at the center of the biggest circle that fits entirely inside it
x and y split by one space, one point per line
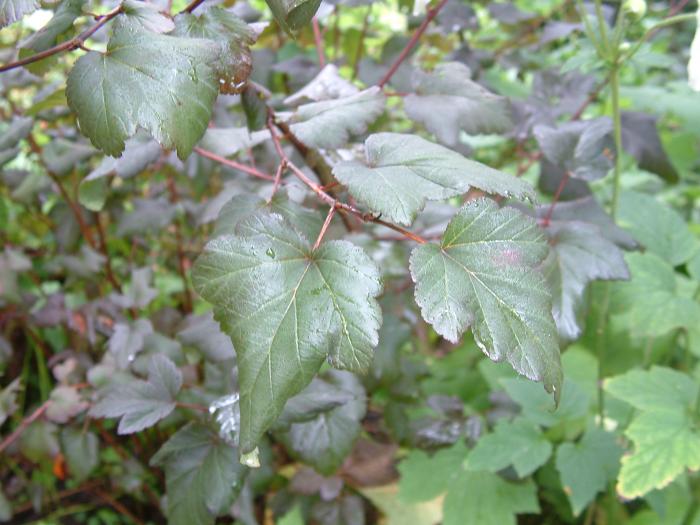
556 143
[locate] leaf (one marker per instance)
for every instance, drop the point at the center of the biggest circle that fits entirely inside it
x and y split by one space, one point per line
328 124
60 23
579 254
666 442
66 403
239 208
518 443
141 404
18 129
582 148
482 498
287 308
397 512
8 399
148 215
127 340
204 333
656 226
234 38
425 477
13 10
586 467
319 398
226 142
163 84
61 156
652 302
640 139
324 441
81 450
327 85
139 293
202 475
483 275
447 101
401 172
140 15
292 15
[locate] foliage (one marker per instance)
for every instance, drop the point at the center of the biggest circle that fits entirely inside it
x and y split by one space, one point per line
349 262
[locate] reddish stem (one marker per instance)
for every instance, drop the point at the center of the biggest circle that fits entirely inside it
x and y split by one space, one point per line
319 42
432 13
24 424
233 164
547 219
326 223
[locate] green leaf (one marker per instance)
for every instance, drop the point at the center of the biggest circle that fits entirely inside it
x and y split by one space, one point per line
326 440
18 129
447 101
482 498
518 443
163 84
483 274
204 333
579 254
81 450
287 307
586 467
8 399
141 15
127 340
13 10
653 302
657 227
141 404
397 512
330 123
666 441
49 35
327 85
234 38
306 221
640 139
425 477
202 475
292 15
582 148
403 171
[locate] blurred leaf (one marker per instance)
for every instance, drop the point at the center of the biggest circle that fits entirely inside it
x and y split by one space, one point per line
81 450
8 399
424 477
204 333
397 512
293 15
446 101
657 227
13 10
202 475
141 404
586 467
127 340
664 433
230 141
584 148
640 139
518 443
324 441
330 123
142 16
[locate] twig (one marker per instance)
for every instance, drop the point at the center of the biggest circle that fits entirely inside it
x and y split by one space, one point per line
192 406
361 43
278 177
84 229
24 424
182 261
432 13
68 45
108 260
326 223
233 164
547 219
121 509
192 6
319 42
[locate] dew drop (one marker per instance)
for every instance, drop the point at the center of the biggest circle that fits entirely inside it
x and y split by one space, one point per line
251 459
270 253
